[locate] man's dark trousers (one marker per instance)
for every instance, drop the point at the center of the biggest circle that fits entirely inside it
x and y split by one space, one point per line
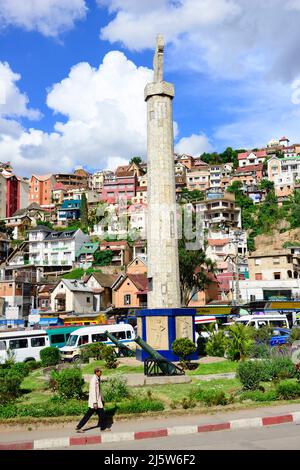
101 417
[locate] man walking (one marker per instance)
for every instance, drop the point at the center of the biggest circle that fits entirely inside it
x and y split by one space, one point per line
96 403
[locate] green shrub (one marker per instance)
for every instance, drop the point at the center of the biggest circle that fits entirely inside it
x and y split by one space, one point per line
279 367
49 356
183 347
260 351
69 383
74 407
216 344
115 388
288 390
33 365
258 395
213 397
21 368
109 356
295 335
201 345
187 402
239 343
140 405
10 383
250 373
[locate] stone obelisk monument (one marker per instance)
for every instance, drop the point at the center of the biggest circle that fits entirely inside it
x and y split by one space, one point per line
162 242
163 321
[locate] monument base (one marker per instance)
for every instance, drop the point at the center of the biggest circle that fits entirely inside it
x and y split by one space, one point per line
161 327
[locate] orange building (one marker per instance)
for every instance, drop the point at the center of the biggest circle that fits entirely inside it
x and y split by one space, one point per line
40 189
130 291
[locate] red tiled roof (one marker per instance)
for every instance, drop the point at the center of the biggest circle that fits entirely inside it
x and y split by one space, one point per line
259 153
115 243
243 169
218 241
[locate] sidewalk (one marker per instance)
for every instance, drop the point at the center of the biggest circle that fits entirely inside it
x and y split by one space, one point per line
64 435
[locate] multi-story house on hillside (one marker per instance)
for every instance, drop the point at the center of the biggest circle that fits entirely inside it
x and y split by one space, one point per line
69 210
272 273
120 187
219 209
40 190
50 248
13 193
249 175
198 178
252 157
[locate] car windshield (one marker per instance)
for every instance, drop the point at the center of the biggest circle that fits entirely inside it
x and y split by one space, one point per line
72 340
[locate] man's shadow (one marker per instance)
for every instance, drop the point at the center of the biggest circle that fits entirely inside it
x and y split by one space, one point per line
109 419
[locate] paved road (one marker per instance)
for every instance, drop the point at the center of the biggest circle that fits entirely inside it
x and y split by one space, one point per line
280 437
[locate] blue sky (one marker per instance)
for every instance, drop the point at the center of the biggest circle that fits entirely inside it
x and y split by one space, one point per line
72 74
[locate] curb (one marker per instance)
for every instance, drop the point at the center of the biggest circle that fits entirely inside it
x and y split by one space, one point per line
166 432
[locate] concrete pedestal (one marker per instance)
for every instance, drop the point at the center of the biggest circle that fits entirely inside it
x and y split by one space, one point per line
160 327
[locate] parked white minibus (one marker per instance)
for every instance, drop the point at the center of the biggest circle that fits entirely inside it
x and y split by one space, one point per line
24 345
123 332
258 321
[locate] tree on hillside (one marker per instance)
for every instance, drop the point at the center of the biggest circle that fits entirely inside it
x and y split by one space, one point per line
45 223
194 270
194 195
84 212
103 258
136 160
266 184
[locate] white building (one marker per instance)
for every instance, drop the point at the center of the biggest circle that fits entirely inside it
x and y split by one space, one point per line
51 248
252 158
73 296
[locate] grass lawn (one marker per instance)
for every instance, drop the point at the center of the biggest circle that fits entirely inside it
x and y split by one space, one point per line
202 369
175 392
214 368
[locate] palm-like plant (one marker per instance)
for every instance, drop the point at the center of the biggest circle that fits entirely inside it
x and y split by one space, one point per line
239 342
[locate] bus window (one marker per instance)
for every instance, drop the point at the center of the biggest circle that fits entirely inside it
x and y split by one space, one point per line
2 346
37 342
18 343
278 323
128 334
99 338
119 335
83 340
55 339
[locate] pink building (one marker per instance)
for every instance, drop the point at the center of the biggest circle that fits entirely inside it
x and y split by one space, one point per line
120 187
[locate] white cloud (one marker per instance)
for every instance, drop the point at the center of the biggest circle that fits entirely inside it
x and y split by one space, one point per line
106 120
227 38
49 17
13 103
194 145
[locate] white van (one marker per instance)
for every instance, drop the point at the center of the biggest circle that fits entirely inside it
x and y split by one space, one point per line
258 321
201 324
24 345
94 334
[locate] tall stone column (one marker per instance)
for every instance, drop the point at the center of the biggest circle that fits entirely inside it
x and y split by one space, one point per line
162 247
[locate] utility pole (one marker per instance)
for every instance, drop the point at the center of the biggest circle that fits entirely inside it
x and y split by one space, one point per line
236 288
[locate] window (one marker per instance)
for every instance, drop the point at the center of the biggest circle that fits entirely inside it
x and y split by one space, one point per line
278 323
55 339
2 345
37 342
128 334
277 275
258 276
88 300
100 337
18 343
119 334
127 299
257 262
83 340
